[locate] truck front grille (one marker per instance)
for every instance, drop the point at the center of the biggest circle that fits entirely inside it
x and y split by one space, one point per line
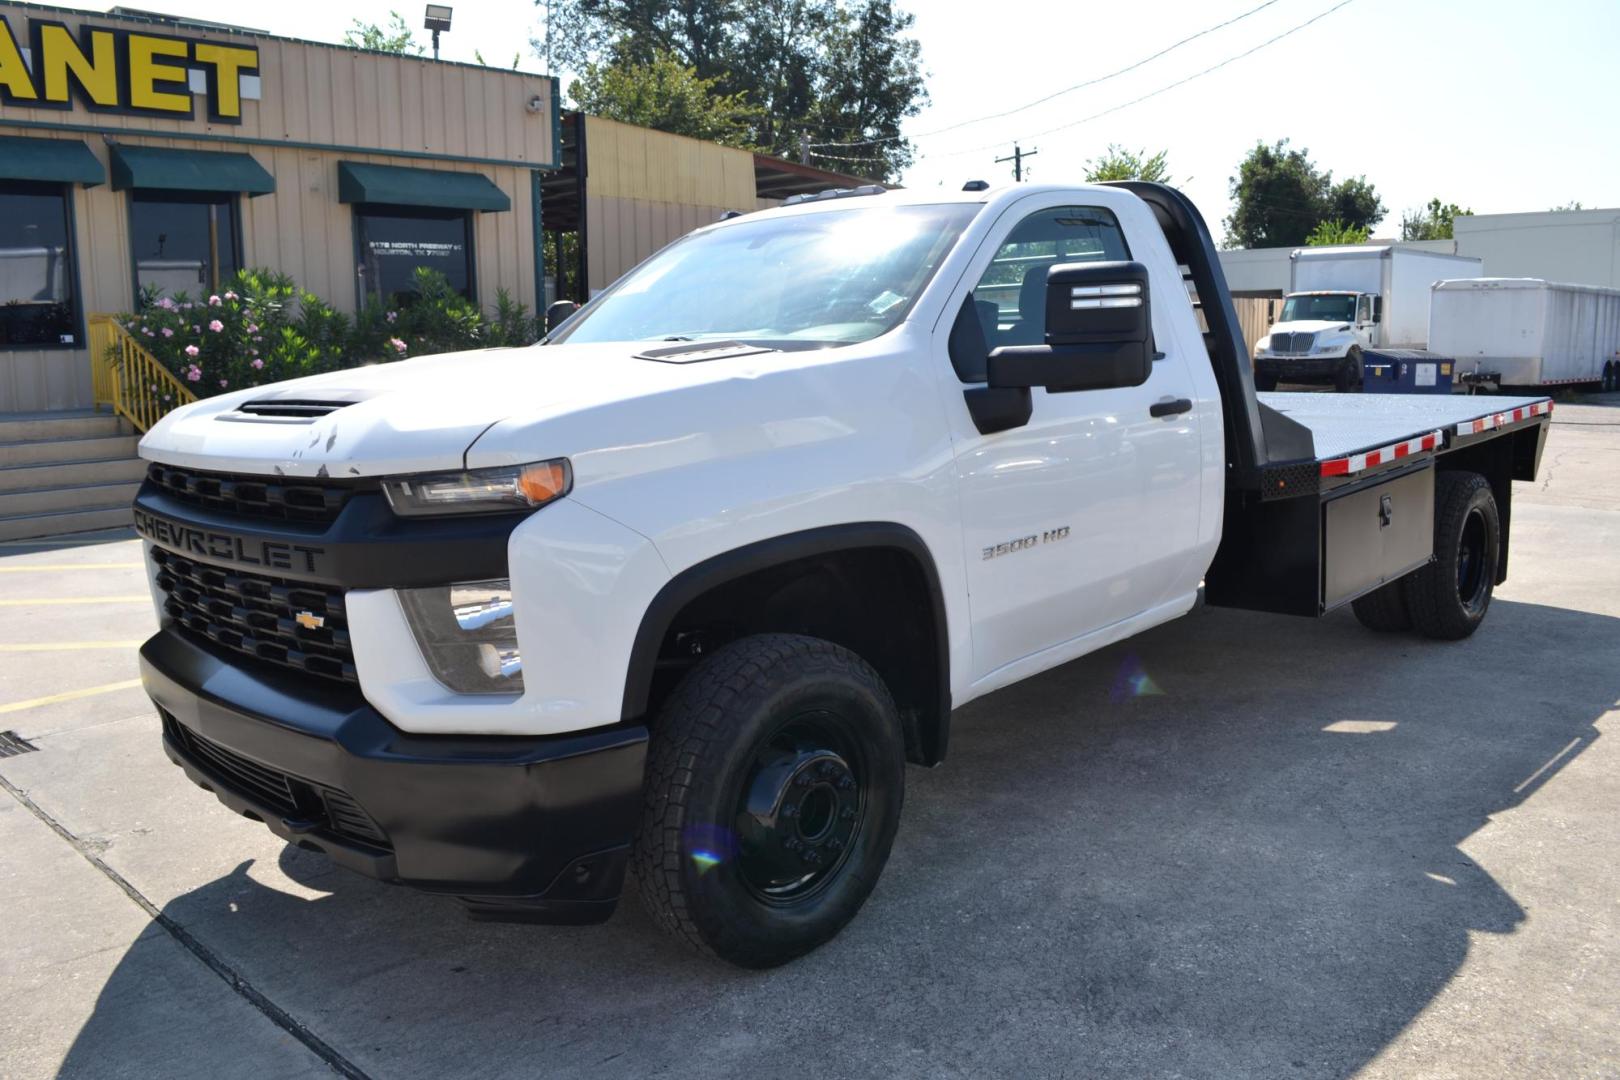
248 496
1292 344
326 808
292 623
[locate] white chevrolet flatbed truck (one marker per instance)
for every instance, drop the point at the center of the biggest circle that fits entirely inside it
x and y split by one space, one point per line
681 590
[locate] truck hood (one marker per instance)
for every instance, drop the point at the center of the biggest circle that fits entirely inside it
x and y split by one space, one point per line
1308 326
407 416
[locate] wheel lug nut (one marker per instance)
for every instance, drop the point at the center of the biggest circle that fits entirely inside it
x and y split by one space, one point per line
845 783
848 814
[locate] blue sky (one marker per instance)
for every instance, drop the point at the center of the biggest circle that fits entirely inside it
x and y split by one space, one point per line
1498 106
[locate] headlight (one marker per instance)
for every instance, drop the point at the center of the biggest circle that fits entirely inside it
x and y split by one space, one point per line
467 635
1320 349
482 491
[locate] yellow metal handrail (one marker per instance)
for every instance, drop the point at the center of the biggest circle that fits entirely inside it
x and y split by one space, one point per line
130 379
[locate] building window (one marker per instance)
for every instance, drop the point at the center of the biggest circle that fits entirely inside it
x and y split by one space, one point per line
185 242
395 241
37 302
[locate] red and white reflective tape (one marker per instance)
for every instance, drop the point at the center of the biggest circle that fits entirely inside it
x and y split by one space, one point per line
1496 420
1348 466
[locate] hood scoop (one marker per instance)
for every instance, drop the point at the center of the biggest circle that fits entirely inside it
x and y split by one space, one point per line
291 406
697 351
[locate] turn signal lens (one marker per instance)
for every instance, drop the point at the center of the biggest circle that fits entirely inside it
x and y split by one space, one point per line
482 491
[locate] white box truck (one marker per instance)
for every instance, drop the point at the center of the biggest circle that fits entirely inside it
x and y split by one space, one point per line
1344 300
1529 332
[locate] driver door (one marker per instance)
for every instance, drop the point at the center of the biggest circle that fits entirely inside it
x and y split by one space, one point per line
1086 515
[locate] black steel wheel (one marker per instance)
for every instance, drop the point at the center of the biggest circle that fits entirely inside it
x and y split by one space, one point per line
1265 380
774 785
1449 597
1384 609
1611 376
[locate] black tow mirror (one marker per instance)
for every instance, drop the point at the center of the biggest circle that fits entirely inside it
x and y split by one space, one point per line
558 313
1099 332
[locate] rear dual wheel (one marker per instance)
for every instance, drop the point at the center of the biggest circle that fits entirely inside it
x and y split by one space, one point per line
1446 599
774 785
1611 376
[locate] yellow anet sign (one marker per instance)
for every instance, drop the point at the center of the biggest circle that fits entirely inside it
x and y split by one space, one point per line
117 70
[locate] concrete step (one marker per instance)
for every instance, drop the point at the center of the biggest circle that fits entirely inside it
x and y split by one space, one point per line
28 526
61 451
75 497
70 474
77 424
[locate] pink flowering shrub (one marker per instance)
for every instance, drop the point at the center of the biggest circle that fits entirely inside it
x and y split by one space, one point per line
263 328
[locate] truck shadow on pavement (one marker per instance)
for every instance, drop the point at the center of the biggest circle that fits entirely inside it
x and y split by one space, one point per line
1232 846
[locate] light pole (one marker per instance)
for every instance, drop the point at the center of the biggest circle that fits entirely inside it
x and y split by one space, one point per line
438 18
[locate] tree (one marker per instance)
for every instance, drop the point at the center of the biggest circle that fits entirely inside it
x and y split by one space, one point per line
396 38
1119 163
838 74
1328 233
1573 205
664 94
1433 222
1279 196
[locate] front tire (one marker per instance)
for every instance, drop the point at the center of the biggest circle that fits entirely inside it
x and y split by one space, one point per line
1265 381
775 778
1449 597
1347 379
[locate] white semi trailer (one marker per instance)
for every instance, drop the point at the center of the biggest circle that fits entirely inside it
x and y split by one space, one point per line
1527 331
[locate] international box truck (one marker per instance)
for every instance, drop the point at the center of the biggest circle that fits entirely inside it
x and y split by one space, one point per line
1343 301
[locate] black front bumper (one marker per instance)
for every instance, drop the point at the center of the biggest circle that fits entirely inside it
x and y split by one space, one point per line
535 828
1300 368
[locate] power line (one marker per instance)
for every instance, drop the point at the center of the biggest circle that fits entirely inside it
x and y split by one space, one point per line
1163 89
1055 93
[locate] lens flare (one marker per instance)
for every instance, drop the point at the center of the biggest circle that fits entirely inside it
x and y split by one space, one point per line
1132 681
708 845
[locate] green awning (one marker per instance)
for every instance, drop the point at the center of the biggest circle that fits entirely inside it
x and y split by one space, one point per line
362 183
62 161
188 170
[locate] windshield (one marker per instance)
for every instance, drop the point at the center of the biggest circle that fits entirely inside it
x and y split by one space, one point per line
1327 307
803 281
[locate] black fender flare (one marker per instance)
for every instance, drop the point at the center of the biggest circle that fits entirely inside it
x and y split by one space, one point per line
717 570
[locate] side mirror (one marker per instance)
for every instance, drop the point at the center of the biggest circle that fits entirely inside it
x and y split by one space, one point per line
1378 309
1099 332
558 313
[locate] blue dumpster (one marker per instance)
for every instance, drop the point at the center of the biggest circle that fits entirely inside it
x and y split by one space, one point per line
1405 371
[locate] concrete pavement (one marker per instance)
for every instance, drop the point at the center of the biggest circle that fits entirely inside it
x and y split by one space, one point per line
1236 846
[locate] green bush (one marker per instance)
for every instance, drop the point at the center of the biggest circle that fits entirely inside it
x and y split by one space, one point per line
263 328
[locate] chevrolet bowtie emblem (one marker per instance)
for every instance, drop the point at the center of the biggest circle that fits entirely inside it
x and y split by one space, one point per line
309 620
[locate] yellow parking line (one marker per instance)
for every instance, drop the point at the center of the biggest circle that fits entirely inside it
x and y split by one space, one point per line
137 598
26 568
49 542
63 646
70 695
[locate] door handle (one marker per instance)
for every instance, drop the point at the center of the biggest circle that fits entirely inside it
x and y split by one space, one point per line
1170 407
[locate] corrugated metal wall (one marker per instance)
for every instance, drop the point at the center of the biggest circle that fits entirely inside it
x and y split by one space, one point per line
646 188
403 111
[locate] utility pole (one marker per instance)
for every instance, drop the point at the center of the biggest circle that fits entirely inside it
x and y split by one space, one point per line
1017 158
804 146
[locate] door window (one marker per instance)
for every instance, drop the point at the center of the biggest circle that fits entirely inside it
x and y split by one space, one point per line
184 242
396 241
37 305
1011 296
1364 310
